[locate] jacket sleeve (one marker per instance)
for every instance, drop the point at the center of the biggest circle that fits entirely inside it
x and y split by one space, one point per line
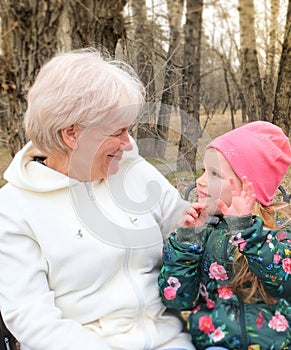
269 256
179 277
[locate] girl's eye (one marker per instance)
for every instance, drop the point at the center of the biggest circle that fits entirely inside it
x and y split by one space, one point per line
214 173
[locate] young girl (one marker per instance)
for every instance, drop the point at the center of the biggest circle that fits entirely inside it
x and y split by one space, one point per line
232 269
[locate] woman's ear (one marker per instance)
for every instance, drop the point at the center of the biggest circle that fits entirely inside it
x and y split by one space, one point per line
70 135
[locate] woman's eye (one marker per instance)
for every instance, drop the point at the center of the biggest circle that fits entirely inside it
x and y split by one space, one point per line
116 134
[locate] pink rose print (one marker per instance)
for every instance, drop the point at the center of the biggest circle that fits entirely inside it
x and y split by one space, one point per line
238 241
174 283
210 303
286 263
202 290
276 258
170 293
268 240
278 322
260 319
225 292
196 309
217 272
217 335
281 236
206 325
242 245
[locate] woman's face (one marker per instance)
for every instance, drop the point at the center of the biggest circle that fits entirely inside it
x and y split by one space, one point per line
98 151
215 184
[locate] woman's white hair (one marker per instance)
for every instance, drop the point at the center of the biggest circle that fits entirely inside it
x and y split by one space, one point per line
80 87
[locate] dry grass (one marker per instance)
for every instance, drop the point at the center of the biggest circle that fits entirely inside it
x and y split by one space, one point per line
5 159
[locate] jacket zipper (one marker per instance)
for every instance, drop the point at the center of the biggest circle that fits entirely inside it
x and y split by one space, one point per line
131 281
244 336
140 299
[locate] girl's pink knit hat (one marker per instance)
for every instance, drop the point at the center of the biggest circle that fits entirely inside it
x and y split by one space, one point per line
261 151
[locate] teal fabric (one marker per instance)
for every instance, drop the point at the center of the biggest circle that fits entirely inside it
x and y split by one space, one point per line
195 277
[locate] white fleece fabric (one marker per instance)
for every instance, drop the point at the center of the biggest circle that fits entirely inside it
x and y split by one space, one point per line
80 261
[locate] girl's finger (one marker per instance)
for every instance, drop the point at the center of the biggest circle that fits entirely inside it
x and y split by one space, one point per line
234 187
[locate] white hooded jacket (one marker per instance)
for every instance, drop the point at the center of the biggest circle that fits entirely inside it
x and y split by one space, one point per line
79 261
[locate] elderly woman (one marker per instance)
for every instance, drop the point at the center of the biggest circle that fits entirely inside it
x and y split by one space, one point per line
83 217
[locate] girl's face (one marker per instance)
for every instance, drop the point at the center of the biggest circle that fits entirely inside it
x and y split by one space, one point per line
214 184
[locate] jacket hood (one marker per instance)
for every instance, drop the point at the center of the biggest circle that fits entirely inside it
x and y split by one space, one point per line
25 173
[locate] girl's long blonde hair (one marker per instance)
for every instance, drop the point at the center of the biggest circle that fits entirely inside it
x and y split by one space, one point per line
245 283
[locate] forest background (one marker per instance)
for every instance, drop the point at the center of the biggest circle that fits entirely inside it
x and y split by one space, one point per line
208 66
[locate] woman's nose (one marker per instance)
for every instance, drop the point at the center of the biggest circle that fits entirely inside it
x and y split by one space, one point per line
125 144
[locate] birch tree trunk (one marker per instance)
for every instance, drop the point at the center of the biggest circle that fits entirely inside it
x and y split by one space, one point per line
282 108
250 75
190 88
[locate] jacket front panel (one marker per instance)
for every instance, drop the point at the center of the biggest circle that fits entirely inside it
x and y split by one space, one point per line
196 278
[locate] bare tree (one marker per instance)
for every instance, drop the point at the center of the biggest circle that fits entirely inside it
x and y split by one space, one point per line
282 109
230 102
250 74
29 37
146 129
95 23
270 78
189 92
172 77
32 31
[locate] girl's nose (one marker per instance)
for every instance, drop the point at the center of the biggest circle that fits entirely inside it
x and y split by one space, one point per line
202 180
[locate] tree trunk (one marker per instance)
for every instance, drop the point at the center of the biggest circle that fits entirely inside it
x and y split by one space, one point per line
97 23
282 109
229 98
146 129
33 31
190 88
30 32
250 75
270 73
172 74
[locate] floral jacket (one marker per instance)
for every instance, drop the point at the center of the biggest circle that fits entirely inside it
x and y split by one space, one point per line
196 277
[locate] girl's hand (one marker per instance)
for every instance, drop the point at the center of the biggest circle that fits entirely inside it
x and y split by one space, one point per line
194 216
243 201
